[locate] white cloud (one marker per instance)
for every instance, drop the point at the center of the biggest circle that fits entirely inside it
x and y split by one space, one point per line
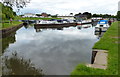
63 7
119 6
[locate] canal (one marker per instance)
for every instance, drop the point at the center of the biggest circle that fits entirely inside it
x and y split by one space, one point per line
47 51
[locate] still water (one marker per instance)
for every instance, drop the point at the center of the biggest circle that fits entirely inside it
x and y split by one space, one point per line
49 51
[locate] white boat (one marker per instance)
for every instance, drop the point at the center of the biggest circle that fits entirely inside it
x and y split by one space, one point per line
102 26
84 22
47 22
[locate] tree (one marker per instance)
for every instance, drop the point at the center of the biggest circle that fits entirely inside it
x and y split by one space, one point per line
17 3
118 15
7 12
95 15
89 15
38 14
106 16
71 13
78 14
54 16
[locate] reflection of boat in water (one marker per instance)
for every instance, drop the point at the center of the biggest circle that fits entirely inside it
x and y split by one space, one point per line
56 25
99 34
84 26
102 26
41 29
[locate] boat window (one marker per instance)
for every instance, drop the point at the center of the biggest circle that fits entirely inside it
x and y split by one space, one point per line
101 25
102 22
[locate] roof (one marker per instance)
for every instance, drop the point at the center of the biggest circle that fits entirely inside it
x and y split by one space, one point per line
103 22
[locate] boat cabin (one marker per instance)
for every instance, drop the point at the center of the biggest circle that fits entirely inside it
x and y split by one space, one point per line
102 25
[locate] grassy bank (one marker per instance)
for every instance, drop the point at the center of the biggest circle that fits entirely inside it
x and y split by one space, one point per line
108 42
7 24
33 18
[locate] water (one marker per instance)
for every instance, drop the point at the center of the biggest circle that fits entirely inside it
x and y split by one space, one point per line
49 51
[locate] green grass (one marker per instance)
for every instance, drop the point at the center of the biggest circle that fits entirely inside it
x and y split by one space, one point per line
8 24
107 42
33 18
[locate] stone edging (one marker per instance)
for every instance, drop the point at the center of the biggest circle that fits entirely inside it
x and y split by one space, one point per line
7 31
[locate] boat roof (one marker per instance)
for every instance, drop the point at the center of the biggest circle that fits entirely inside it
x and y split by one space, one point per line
103 22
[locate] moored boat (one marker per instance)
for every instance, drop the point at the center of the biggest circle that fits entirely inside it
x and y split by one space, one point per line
54 24
102 26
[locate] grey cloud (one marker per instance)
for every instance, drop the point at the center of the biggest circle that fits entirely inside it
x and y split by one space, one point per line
67 6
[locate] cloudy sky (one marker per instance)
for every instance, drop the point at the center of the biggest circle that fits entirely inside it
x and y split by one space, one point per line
65 7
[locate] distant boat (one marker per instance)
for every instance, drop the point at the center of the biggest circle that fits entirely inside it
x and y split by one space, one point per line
54 24
84 22
102 26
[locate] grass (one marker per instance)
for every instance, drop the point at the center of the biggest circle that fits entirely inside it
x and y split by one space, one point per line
107 42
7 24
33 18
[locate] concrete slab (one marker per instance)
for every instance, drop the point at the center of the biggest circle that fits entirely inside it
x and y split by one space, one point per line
100 59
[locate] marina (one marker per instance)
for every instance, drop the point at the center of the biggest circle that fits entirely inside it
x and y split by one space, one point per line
59 38
50 46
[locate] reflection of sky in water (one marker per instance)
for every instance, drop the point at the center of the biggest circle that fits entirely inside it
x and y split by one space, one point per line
55 51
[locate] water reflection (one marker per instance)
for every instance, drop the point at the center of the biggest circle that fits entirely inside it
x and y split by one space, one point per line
41 29
57 52
99 34
15 65
8 40
26 26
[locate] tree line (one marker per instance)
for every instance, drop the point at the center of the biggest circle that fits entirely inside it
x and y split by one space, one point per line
90 15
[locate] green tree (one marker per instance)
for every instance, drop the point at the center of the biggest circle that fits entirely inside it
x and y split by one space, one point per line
89 15
7 12
17 3
95 15
38 14
118 15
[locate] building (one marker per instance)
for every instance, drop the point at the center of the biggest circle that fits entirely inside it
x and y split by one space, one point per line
29 15
44 15
66 17
81 17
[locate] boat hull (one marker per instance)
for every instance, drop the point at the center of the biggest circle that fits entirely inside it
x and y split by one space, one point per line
101 29
54 25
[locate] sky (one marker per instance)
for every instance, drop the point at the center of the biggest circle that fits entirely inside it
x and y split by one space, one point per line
119 5
65 7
